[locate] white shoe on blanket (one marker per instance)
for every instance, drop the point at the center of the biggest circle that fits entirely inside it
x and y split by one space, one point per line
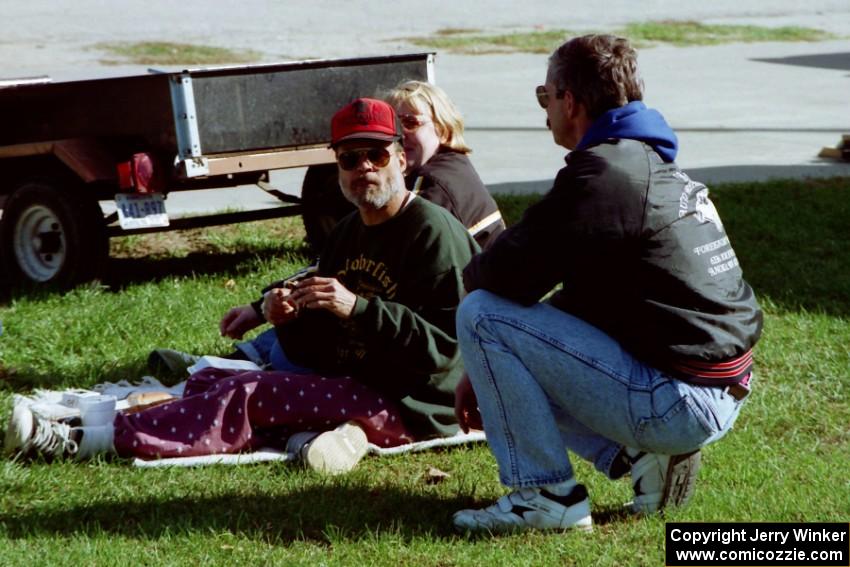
332 452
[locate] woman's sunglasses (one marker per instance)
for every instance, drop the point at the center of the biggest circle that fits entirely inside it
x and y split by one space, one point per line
412 122
348 160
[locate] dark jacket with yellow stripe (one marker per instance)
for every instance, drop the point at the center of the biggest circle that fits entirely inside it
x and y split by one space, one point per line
449 180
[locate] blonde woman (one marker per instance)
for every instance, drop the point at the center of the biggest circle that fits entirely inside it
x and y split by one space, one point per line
438 167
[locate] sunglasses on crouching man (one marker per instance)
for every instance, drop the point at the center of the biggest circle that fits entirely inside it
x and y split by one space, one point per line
543 95
350 159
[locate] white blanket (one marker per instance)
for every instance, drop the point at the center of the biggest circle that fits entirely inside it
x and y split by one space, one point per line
266 455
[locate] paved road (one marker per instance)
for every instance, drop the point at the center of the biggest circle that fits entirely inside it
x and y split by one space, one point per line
742 111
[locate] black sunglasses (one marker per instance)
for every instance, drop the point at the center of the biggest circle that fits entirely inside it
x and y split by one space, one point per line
379 157
543 95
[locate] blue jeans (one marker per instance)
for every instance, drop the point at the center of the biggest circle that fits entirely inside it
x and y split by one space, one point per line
265 350
547 382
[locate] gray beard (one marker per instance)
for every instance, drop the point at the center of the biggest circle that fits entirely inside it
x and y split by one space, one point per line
376 199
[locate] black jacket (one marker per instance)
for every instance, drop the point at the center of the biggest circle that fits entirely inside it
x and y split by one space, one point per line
641 254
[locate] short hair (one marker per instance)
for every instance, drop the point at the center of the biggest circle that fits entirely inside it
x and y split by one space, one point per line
600 71
432 100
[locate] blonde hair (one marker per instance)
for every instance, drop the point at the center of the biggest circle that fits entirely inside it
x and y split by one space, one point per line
431 99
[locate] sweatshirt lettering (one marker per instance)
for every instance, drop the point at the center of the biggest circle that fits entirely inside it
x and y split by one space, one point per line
369 270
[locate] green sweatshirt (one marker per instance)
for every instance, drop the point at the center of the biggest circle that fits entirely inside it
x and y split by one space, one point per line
400 339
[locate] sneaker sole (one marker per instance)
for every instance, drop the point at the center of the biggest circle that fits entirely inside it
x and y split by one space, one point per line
337 451
682 473
583 525
576 517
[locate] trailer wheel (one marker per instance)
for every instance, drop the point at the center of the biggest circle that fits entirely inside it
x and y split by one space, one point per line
323 202
51 236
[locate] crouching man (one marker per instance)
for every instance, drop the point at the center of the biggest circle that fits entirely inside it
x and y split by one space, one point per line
645 354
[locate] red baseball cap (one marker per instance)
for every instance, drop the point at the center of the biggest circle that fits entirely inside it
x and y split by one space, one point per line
365 119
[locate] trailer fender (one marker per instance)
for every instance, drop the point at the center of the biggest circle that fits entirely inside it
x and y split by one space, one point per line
88 159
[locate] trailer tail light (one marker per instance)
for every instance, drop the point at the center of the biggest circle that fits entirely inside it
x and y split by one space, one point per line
140 174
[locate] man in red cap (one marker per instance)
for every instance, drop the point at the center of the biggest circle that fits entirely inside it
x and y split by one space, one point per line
380 306
389 273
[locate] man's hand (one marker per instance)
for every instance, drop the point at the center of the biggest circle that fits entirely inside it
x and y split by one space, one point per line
466 406
324 293
278 306
239 321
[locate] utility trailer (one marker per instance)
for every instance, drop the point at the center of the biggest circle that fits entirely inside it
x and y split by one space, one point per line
65 146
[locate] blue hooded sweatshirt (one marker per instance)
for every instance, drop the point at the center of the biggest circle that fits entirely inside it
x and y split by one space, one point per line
634 122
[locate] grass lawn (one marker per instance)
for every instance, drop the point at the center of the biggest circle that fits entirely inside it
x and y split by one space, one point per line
641 34
170 53
785 461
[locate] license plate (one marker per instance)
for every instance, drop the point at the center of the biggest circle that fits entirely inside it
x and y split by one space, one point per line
141 211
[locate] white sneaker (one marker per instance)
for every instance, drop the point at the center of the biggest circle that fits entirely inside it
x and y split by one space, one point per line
332 452
660 481
28 432
529 509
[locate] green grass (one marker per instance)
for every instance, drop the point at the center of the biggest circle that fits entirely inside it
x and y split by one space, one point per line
784 461
475 43
686 33
678 33
457 31
169 53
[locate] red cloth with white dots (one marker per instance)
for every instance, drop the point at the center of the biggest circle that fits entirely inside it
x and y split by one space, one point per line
228 411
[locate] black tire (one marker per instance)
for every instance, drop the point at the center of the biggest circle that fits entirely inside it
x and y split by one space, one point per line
323 202
51 235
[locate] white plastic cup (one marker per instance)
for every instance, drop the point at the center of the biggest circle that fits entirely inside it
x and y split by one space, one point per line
97 410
